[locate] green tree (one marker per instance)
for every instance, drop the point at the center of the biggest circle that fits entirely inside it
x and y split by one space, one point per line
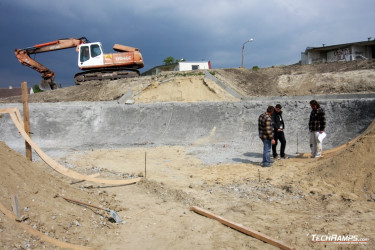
169 60
36 88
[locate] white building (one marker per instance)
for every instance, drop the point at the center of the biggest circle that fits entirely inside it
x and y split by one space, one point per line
179 66
340 52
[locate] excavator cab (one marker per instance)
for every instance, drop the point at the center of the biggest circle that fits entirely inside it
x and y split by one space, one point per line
90 54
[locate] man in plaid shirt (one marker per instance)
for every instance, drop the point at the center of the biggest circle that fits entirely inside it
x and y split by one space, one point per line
317 125
265 127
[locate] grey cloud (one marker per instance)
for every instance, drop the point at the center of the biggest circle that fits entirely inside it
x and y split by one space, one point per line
212 30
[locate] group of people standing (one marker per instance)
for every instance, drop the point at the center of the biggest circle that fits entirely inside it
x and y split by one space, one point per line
271 130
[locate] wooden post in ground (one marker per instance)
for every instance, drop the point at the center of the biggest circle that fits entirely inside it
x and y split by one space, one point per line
145 166
15 206
26 118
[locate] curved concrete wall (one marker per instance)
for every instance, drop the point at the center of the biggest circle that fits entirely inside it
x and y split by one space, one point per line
205 127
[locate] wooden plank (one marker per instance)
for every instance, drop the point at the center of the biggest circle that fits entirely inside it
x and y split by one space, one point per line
19 117
7 110
63 170
241 228
14 114
26 118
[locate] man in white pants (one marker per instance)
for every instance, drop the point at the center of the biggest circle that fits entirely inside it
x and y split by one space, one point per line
317 125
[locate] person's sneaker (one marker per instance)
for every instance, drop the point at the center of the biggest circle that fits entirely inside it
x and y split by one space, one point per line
266 166
276 157
285 157
318 156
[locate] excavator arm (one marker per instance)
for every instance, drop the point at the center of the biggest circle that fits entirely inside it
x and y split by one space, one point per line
23 56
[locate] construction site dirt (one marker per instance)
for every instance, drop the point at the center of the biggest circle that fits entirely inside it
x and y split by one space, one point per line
303 202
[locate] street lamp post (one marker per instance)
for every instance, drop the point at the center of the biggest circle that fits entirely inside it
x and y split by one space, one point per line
243 48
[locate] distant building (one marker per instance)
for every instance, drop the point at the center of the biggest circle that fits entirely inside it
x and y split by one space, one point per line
340 52
8 92
179 66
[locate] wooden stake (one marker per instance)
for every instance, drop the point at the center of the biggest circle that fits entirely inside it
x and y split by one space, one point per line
259 175
26 118
297 144
242 229
145 166
15 207
42 236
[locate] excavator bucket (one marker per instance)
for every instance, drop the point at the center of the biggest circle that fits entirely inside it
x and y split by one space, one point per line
44 85
47 85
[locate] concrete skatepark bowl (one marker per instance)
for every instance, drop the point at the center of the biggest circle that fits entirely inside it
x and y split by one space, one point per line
213 131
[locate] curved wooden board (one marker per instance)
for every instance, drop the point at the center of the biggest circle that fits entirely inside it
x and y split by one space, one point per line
42 236
15 116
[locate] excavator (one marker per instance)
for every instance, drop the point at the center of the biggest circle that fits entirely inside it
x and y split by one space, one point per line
95 64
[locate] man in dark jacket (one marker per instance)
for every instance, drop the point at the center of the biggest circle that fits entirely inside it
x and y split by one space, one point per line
278 127
265 129
317 125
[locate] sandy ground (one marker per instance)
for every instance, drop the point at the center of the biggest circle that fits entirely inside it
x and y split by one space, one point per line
293 202
182 89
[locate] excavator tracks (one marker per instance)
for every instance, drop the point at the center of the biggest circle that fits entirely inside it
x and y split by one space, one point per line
110 74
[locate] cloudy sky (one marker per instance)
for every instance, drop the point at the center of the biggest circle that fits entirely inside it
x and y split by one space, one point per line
212 30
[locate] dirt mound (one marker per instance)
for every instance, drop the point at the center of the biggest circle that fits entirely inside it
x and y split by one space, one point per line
183 89
91 91
350 172
293 80
165 88
296 80
35 187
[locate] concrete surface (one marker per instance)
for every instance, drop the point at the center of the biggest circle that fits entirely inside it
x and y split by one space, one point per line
222 85
215 132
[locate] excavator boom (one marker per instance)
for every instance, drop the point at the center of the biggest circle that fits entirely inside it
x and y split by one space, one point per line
23 56
59 44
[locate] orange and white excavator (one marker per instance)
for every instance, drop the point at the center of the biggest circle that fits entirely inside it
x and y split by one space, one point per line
95 64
